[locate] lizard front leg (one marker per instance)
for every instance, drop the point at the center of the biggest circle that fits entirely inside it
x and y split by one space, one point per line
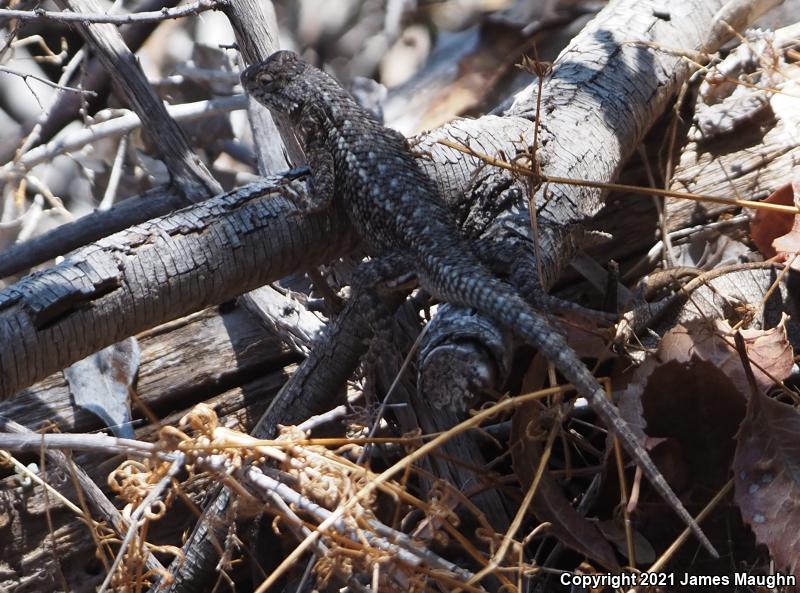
322 182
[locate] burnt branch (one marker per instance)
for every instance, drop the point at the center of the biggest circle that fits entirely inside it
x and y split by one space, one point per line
158 271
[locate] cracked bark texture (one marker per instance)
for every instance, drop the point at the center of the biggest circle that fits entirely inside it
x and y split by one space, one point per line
234 366
611 74
63 239
309 391
472 480
158 271
122 284
253 23
606 89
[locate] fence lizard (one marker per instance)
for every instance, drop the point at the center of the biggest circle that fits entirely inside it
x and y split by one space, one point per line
397 211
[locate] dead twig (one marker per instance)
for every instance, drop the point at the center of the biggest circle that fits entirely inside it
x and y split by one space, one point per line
39 14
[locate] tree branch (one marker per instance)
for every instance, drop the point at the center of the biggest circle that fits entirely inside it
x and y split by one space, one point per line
156 16
159 271
94 77
189 174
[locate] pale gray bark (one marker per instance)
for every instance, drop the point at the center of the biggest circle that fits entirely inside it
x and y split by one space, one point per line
256 32
157 202
597 153
310 389
610 123
189 174
189 360
603 95
605 91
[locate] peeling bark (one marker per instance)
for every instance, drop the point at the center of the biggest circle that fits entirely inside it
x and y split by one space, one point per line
605 91
583 94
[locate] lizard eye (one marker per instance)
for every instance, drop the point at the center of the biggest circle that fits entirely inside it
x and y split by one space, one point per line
265 78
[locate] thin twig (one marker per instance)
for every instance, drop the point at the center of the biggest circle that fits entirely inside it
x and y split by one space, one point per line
49 518
321 419
116 173
119 126
35 134
409 554
524 507
26 75
99 443
793 210
407 461
24 471
155 16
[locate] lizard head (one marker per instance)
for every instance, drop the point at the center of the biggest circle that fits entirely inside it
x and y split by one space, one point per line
272 82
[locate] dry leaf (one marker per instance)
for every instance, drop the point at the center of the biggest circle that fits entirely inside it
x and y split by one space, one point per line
769 350
101 383
768 228
767 472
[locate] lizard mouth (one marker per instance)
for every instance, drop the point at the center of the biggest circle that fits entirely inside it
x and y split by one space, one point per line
247 77
275 102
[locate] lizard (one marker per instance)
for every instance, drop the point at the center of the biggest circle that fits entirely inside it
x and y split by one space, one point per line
409 231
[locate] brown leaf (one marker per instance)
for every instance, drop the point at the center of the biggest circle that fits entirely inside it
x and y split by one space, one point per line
689 393
698 405
789 244
770 353
767 478
767 226
769 350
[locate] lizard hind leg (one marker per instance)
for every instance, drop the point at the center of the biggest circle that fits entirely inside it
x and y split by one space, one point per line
375 282
494 217
514 262
501 302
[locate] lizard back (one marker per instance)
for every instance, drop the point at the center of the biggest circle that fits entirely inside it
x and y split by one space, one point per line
396 209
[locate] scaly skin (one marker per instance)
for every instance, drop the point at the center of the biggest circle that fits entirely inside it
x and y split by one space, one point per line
397 211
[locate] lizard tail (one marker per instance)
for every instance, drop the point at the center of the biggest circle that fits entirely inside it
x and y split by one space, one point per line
482 291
